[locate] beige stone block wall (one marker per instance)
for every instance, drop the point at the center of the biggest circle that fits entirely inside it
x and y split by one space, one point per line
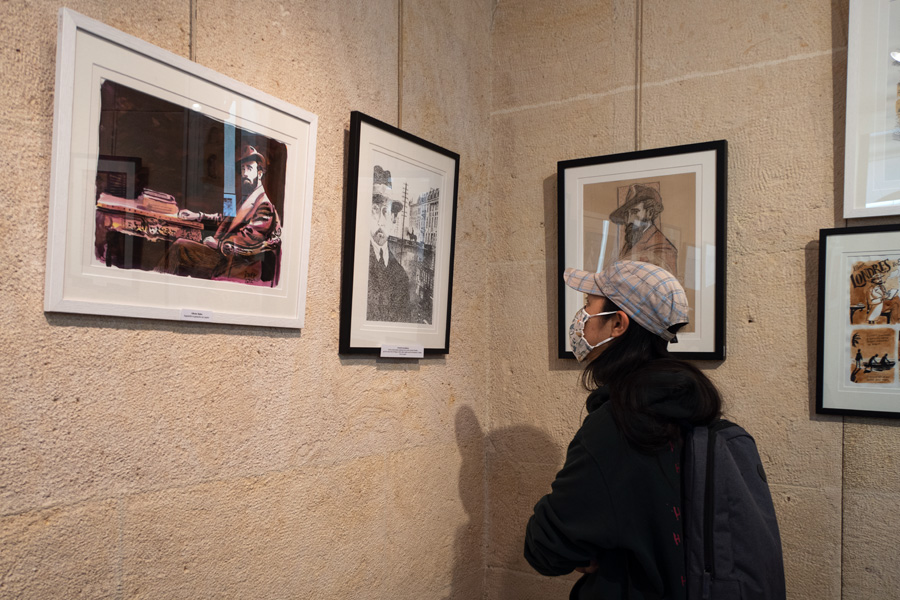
62 552
147 459
769 77
151 459
871 497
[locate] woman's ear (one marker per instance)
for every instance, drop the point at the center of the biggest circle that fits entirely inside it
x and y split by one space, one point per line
620 323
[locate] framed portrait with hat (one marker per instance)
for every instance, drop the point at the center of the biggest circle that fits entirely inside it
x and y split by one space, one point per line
399 234
664 207
858 346
176 192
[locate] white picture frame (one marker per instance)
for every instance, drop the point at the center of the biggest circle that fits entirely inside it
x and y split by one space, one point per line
872 144
92 59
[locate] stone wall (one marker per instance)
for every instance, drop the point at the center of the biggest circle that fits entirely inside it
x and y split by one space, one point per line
159 459
578 78
145 458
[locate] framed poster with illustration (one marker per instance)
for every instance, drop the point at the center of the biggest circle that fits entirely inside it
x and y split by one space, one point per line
859 321
872 149
176 192
399 232
664 206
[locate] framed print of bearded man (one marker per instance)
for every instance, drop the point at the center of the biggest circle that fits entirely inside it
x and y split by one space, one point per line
664 206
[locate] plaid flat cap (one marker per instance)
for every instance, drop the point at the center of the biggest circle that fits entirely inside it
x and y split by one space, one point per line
648 294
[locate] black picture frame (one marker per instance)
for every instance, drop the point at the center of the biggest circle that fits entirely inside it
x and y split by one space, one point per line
693 178
401 199
858 320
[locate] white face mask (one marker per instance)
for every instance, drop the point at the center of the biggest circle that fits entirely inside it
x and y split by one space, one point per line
580 346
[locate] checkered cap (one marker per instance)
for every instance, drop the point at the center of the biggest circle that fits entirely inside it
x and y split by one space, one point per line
648 294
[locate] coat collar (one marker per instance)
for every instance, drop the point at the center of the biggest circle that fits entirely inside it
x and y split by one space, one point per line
667 394
246 208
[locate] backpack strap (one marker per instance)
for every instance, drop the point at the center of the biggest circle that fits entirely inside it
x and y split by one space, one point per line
699 489
693 492
709 493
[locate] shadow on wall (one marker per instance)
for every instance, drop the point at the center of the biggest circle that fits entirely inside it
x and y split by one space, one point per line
467 581
520 463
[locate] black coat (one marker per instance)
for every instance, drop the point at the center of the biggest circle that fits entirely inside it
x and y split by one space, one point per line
617 506
388 292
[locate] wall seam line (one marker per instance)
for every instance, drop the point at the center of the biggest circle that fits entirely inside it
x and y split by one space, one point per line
579 98
192 30
399 64
120 542
488 412
664 82
843 491
638 71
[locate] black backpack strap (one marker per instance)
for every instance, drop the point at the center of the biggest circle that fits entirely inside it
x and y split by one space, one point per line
710 492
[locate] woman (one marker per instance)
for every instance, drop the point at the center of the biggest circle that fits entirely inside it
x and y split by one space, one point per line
614 512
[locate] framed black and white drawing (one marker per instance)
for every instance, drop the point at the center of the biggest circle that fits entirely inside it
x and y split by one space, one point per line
664 206
872 149
176 192
859 321
399 233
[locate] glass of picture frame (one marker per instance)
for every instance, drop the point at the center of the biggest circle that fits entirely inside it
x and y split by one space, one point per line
681 194
150 214
872 148
399 235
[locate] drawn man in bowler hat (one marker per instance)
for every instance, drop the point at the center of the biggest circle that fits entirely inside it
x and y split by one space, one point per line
388 291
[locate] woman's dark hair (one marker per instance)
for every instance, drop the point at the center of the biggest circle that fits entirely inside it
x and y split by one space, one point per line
624 368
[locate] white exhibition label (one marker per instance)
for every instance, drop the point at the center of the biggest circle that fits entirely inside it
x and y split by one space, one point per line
196 315
403 352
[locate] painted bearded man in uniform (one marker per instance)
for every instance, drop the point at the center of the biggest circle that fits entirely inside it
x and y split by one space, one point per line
388 291
235 252
643 239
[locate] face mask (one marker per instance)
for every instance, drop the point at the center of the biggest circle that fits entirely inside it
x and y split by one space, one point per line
580 346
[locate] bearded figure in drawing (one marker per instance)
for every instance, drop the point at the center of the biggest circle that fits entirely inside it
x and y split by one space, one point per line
644 241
